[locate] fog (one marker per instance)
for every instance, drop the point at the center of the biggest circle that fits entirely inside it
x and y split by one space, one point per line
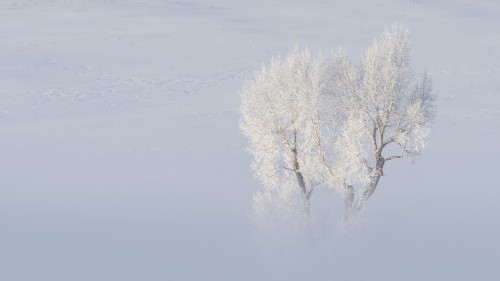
122 158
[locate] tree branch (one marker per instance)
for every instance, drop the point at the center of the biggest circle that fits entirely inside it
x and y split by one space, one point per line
393 157
282 132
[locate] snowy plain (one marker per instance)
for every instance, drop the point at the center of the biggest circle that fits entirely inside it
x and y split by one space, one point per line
121 157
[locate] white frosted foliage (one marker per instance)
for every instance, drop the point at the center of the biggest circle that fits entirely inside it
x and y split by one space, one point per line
279 118
383 116
335 124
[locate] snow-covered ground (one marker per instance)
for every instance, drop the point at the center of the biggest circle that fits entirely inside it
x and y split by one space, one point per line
121 157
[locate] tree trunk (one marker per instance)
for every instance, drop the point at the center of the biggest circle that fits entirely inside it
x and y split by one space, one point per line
355 205
350 212
301 182
306 195
375 178
300 179
367 192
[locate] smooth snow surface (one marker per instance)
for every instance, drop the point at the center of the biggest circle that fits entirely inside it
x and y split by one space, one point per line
121 156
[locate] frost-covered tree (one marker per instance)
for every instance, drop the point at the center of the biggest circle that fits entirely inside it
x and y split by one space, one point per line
385 115
334 124
278 115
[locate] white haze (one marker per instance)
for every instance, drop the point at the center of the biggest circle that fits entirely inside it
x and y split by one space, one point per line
121 156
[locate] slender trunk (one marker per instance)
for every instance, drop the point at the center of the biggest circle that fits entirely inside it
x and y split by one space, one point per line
300 179
354 202
301 182
350 211
372 186
306 195
375 178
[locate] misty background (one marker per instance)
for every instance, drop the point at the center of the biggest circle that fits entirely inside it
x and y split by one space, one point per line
121 156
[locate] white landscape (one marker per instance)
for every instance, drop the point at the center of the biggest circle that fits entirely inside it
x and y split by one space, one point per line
122 156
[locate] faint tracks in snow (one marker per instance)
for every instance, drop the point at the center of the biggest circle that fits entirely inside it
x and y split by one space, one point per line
105 89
